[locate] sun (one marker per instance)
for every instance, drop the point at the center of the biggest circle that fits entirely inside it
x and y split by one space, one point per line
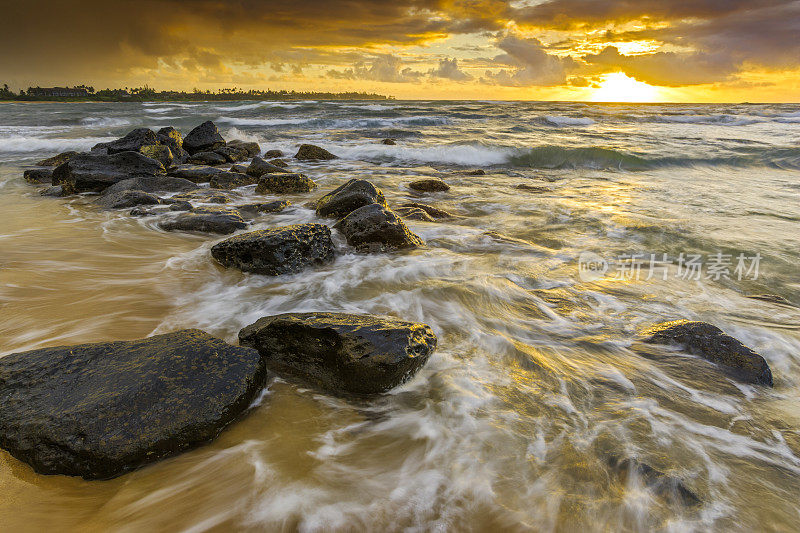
618 87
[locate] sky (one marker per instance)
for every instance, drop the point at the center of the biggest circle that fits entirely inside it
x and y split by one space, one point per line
600 50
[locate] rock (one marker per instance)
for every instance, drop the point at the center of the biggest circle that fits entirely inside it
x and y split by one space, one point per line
207 158
349 197
375 228
56 160
309 152
389 142
429 185
160 153
239 169
210 196
54 191
142 211
230 180
284 183
475 172
38 175
94 172
667 487
100 410
220 220
771 298
709 342
132 142
233 153
152 184
204 137
180 205
252 149
414 213
532 188
278 163
269 207
172 139
270 154
342 353
277 251
126 199
195 173
258 167
434 212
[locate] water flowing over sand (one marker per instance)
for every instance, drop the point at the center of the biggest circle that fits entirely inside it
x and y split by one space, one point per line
538 378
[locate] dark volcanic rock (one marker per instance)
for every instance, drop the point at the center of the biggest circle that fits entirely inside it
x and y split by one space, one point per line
152 184
179 205
343 353
270 154
475 172
94 172
230 180
278 163
38 175
284 183
207 158
239 169
258 167
56 160
667 487
160 153
349 197
220 220
132 142
434 212
269 207
172 139
210 196
195 173
204 137
309 152
414 213
100 410
233 153
389 142
252 149
429 185
709 342
374 228
127 199
283 250
55 191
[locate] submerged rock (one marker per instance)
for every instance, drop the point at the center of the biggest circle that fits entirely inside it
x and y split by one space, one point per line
100 410
284 183
132 142
342 353
532 188
54 191
389 142
38 175
309 152
709 342
205 137
434 212
268 207
94 172
771 298
127 199
258 167
667 487
230 180
219 220
429 185
349 197
414 213
374 228
283 250
56 160
160 153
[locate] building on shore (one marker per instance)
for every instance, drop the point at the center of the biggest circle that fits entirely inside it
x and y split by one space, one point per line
58 91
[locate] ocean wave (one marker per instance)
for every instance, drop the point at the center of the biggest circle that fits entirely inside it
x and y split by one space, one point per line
238 107
159 109
568 121
452 154
715 120
24 144
350 123
560 157
104 122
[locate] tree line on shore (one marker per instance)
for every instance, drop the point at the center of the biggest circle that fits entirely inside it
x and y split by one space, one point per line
80 93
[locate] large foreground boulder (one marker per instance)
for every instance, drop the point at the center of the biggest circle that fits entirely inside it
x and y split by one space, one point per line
100 410
284 183
152 184
205 137
709 342
94 172
349 197
159 152
283 250
309 152
221 220
56 160
132 142
342 353
38 175
374 228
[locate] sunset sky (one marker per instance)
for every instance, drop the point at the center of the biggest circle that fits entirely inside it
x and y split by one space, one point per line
646 50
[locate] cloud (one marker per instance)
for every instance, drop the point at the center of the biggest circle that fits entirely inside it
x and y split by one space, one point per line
530 64
384 68
448 69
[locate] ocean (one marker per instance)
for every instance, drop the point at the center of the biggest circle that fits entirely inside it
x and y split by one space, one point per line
633 214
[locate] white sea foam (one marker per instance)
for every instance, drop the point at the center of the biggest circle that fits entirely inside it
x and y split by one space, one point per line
159 109
457 154
105 122
22 144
